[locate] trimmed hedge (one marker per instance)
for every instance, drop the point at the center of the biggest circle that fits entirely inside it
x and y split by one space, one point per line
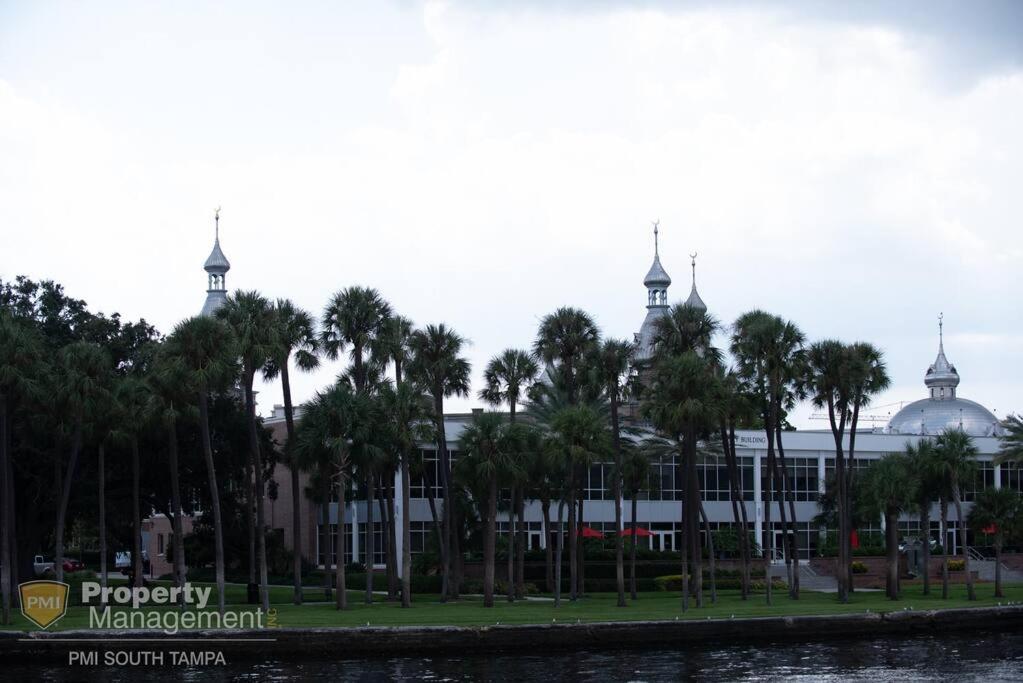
674 583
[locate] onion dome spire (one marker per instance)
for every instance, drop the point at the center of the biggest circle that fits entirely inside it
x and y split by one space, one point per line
694 300
216 267
942 377
657 280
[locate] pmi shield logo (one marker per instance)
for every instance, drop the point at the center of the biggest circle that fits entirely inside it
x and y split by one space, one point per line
44 602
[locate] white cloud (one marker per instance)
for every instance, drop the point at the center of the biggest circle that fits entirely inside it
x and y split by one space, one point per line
482 167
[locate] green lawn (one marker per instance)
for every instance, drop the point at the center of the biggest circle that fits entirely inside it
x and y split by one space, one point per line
427 610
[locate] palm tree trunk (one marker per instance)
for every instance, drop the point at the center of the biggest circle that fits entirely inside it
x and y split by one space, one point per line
925 526
710 554
340 591
211 477
296 492
957 496
390 570
998 566
736 499
581 541
943 504
179 541
892 547
325 530
793 534
766 540
102 477
406 531
693 489
136 514
511 545
457 565
573 547
445 483
65 497
559 553
686 573
393 580
545 508
257 483
617 493
520 544
490 546
250 526
370 537
632 550
5 512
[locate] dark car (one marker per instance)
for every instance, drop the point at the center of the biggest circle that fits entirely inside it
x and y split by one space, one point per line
72 565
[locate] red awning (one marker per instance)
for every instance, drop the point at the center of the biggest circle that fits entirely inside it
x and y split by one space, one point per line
591 533
638 530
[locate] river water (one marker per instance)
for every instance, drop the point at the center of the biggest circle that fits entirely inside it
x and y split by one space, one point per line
958 658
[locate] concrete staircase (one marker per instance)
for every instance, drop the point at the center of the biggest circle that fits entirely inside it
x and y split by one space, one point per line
985 569
808 578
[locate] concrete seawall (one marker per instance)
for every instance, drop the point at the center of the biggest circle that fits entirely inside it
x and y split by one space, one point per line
339 643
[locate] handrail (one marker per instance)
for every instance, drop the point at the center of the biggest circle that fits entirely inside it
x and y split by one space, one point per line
975 554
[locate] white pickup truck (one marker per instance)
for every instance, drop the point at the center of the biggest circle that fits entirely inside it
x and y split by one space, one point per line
40 566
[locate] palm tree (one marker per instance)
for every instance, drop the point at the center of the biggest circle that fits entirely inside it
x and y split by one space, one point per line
21 352
889 488
921 457
295 335
769 354
1011 446
826 384
487 449
867 376
610 365
507 377
563 341
250 316
998 512
437 365
205 350
635 477
408 417
957 460
352 321
84 372
683 401
393 346
577 437
167 382
134 397
330 427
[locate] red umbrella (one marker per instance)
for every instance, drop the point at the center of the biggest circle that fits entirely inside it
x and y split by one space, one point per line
638 530
990 529
591 533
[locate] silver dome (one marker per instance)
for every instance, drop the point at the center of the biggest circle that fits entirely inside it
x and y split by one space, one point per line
929 416
657 276
217 262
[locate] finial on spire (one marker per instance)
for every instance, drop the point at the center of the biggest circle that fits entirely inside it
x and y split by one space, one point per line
692 259
657 223
216 221
941 330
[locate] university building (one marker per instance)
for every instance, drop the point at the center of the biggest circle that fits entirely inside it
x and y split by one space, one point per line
809 457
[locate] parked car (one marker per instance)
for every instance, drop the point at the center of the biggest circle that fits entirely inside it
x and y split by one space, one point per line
73 565
41 566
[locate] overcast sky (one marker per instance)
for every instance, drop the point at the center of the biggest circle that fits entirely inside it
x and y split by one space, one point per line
856 170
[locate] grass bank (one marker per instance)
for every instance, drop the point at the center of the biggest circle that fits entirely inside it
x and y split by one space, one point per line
427 610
